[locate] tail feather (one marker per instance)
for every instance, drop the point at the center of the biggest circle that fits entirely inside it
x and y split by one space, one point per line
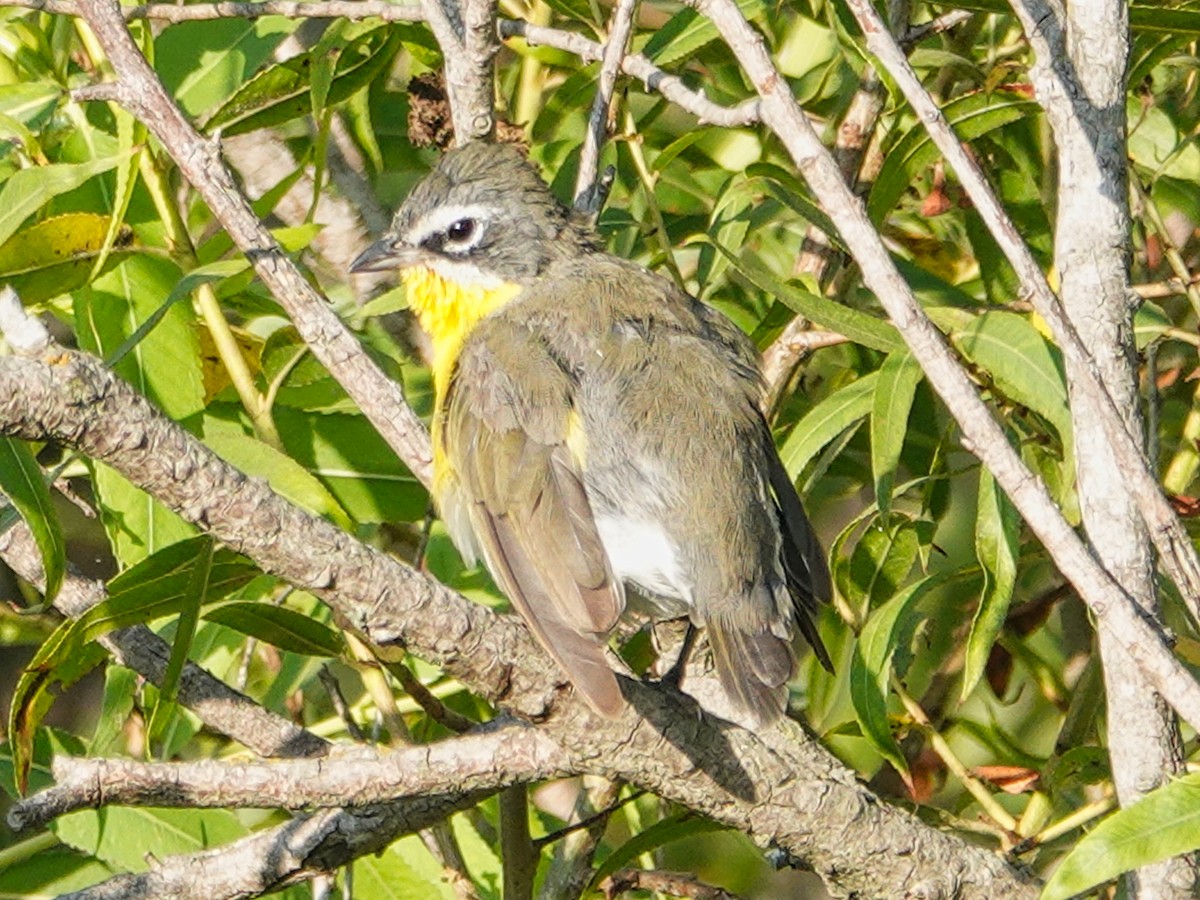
754 669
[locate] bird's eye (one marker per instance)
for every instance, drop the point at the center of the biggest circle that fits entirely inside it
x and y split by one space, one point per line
461 231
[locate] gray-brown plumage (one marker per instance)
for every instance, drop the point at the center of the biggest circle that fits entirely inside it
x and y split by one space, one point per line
599 429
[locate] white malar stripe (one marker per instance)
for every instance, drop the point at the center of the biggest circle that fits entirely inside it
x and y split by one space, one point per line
642 554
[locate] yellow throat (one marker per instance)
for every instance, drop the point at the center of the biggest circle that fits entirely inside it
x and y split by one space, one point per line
449 311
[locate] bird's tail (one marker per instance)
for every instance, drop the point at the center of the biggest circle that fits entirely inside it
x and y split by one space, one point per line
754 668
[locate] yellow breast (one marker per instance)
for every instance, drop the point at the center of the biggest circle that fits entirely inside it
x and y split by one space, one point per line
449 311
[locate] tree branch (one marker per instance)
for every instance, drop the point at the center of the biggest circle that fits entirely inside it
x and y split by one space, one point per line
982 435
139 91
272 859
482 762
587 197
1079 78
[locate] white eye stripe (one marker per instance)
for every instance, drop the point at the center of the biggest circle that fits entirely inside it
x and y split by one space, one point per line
436 221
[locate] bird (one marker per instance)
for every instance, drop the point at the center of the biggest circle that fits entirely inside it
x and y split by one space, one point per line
598 436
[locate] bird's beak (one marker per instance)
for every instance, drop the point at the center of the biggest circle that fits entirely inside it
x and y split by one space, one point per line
386 254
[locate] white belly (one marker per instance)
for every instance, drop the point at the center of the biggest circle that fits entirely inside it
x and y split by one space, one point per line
642 554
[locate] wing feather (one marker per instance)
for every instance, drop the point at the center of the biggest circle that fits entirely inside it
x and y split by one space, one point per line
506 425
804 564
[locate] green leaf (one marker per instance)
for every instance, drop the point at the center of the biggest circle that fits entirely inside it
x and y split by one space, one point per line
279 626
111 316
388 877
405 870
120 687
58 254
32 103
793 193
1150 322
856 326
483 863
579 10
27 190
283 92
33 697
213 272
129 838
687 32
138 525
1164 823
997 545
970 116
51 873
189 614
892 402
22 482
672 828
843 409
871 666
1024 366
165 364
881 561
202 63
352 461
286 477
131 135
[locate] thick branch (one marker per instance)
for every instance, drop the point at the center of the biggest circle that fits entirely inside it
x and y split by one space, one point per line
482 762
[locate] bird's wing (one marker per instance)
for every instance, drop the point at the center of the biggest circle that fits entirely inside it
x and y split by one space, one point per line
804 564
507 435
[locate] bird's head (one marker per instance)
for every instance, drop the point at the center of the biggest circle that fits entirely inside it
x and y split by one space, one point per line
482 218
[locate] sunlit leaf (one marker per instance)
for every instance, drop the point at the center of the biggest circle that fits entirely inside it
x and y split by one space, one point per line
29 189
825 421
997 546
277 625
22 482
870 668
1164 823
894 394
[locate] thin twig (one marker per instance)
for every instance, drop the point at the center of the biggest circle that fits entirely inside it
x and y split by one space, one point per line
334 691
638 66
586 194
975 787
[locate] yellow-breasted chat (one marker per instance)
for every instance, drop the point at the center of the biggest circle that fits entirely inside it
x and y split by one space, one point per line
598 435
